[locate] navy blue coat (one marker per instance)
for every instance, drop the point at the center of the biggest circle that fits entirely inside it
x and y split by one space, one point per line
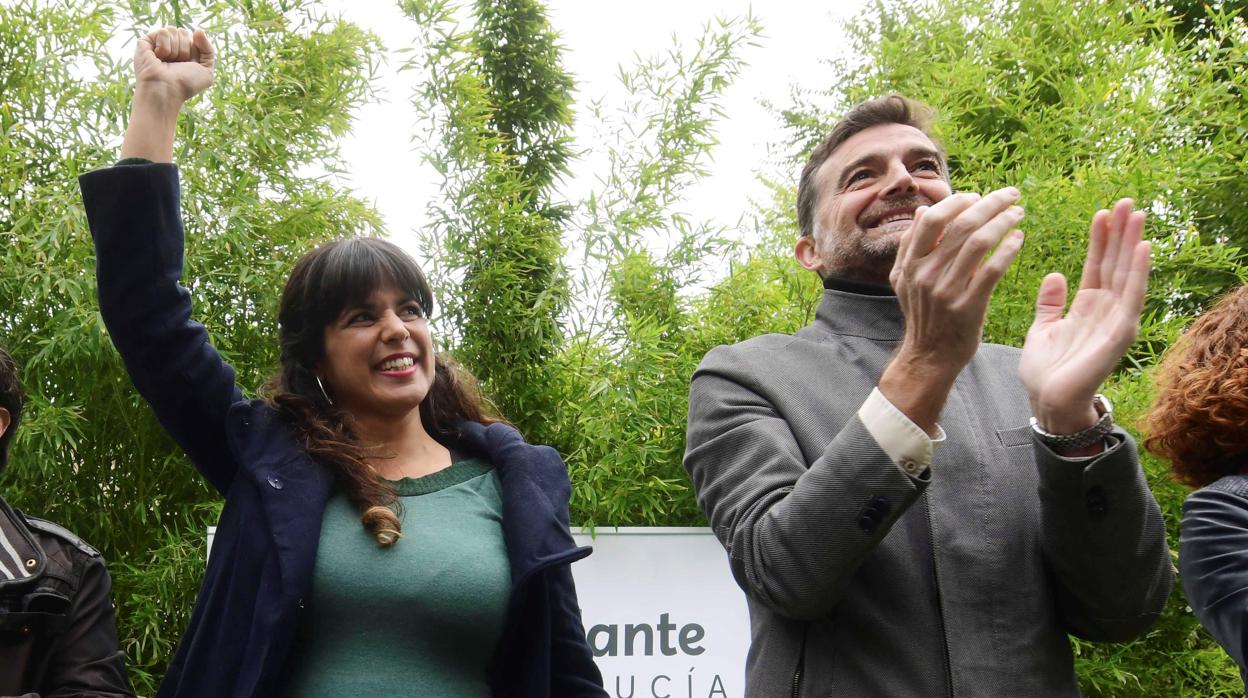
241 632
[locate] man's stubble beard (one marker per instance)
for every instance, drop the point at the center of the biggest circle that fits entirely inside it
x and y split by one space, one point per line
856 257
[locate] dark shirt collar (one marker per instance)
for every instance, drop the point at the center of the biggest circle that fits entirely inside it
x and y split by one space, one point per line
862 288
861 310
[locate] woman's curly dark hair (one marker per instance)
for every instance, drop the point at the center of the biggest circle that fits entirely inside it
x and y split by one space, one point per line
1199 421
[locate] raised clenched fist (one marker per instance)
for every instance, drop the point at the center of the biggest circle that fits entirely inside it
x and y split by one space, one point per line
174 63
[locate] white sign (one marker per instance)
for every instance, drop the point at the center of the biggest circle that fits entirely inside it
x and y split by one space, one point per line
662 613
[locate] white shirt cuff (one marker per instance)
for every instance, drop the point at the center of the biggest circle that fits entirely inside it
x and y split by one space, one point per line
901 439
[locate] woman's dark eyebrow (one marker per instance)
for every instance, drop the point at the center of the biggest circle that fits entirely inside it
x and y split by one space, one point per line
350 308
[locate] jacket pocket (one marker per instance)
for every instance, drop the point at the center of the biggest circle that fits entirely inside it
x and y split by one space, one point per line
45 601
1018 436
28 626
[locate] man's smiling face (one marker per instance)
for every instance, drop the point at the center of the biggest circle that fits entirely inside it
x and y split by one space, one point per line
868 190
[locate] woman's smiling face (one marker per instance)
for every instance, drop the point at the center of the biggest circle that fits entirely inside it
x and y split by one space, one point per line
379 358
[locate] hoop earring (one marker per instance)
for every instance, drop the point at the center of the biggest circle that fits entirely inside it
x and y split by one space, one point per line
322 386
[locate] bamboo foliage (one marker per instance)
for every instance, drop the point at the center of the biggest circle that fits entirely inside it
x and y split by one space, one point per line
499 106
590 357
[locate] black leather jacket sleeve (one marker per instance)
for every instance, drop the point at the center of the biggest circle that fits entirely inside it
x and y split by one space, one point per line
86 659
1213 561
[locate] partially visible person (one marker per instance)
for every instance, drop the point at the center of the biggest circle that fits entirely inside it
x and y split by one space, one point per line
58 635
1199 422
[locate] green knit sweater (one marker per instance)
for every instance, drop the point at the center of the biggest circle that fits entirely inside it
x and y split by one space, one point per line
421 618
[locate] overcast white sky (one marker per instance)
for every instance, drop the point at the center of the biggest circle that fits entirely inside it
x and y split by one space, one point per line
599 36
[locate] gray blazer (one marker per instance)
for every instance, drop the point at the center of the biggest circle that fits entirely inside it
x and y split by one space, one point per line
864 580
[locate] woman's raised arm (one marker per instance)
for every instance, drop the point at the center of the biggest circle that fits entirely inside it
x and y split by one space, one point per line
134 211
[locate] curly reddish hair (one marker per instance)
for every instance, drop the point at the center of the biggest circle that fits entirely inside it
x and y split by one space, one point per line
1199 421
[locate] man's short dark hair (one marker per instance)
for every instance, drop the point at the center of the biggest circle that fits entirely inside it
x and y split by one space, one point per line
10 399
891 109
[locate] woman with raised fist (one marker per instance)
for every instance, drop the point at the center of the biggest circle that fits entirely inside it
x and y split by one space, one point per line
383 532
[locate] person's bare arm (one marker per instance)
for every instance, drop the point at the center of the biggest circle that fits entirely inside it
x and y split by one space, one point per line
171 65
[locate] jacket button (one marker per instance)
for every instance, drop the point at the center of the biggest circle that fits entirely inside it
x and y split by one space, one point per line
25 630
881 506
275 483
868 522
1095 500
